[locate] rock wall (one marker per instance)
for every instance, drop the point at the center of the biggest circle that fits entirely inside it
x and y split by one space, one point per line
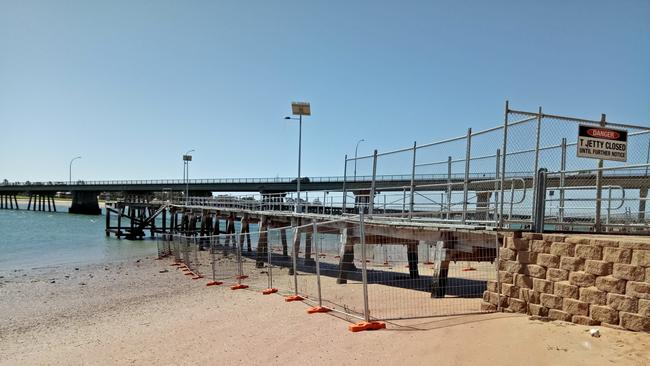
585 279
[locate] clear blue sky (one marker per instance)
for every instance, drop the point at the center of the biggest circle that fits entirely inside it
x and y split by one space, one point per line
131 85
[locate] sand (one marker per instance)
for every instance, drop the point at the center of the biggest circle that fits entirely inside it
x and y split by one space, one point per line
128 313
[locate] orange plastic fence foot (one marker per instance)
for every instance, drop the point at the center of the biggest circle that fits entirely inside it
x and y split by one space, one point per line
293 298
238 287
188 274
175 264
469 269
241 277
197 277
427 262
318 309
269 291
366 326
214 283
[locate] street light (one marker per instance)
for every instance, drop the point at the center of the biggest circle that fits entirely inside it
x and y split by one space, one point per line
355 158
70 172
299 109
186 173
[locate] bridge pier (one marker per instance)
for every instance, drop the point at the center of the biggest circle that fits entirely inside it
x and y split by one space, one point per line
85 203
9 201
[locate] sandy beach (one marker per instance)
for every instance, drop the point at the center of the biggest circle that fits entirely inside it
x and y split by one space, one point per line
131 313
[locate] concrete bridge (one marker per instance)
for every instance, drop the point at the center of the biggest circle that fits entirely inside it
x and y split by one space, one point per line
85 193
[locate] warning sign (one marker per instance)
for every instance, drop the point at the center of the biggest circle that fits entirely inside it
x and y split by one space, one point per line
602 143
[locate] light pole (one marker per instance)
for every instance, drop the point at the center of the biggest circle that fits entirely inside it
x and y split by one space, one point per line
355 158
299 109
186 173
70 171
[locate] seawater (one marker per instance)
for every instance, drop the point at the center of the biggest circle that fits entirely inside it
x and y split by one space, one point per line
31 239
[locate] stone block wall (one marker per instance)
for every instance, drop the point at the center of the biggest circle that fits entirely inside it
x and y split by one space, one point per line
585 279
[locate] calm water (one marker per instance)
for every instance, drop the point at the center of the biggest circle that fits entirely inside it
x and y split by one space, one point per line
41 239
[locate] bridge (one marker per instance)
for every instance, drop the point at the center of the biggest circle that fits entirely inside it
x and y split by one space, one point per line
488 175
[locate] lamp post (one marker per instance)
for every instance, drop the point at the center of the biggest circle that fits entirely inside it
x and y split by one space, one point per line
186 173
70 171
299 109
355 158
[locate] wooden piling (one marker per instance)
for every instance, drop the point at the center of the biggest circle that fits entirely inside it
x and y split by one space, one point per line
262 242
346 261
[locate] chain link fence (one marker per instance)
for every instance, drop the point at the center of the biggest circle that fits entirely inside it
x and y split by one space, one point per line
354 266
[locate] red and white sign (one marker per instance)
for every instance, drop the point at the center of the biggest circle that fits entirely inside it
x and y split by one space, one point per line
602 143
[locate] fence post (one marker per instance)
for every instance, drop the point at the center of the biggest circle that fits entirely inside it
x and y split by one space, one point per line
296 242
504 151
364 269
314 244
371 203
345 178
412 195
468 154
366 324
599 184
448 187
562 175
496 186
540 204
536 162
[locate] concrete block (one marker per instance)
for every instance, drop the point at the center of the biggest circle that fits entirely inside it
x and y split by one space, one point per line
623 303
550 301
492 286
529 296
574 239
506 277
559 315
509 290
548 260
526 257
582 279
540 246
563 249
534 270
572 264
575 307
603 314
584 320
542 286
629 272
532 236
638 289
644 307
511 266
589 251
598 268
634 245
647 275
635 322
593 295
553 237
611 243
523 281
537 310
556 274
617 255
567 290
517 244
516 305
641 258
507 254
611 284
491 297
486 306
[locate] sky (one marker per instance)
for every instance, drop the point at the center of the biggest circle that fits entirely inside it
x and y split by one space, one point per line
131 85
